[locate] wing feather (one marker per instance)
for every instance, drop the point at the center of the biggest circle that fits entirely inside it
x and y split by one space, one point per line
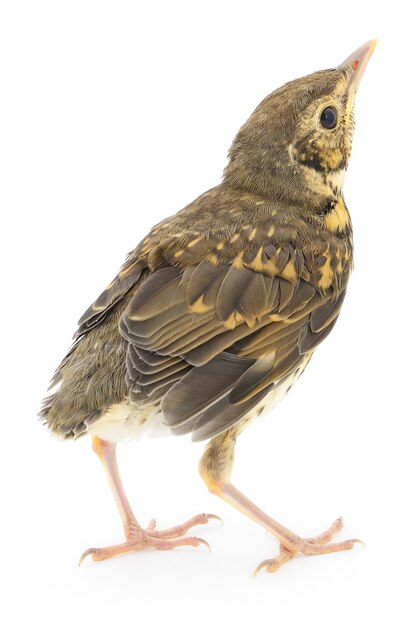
130 274
211 341
202 386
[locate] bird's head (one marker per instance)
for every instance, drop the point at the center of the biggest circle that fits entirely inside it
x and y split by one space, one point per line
296 145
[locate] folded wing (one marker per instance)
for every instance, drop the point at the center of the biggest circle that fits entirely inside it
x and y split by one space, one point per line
209 342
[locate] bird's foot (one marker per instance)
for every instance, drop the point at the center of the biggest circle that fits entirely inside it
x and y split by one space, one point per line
314 545
139 538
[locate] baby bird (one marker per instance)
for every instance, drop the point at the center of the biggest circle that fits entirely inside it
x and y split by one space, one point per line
217 312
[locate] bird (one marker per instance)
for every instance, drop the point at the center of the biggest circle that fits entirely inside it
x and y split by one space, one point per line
218 310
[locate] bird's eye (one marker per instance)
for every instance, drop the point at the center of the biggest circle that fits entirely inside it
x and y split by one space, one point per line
329 117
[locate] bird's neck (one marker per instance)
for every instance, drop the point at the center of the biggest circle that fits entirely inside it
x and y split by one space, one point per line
278 176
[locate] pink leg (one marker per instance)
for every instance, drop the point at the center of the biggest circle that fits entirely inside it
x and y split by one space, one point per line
138 538
216 465
106 452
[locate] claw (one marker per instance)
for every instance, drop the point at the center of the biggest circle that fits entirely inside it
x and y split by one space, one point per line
261 565
86 553
212 516
204 543
152 524
272 565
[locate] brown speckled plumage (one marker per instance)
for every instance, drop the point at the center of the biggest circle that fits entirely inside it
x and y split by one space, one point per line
222 305
271 237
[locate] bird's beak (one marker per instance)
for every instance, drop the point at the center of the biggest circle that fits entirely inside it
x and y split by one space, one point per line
357 62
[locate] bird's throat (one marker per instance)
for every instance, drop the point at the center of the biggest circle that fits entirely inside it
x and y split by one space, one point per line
326 184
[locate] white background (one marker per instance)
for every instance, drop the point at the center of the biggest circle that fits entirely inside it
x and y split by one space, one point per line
114 115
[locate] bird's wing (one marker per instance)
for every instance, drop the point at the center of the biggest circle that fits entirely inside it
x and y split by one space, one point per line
210 341
129 275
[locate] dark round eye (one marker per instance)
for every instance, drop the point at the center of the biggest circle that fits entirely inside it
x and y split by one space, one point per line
329 117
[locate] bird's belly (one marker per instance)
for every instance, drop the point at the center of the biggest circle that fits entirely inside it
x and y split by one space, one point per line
126 421
277 394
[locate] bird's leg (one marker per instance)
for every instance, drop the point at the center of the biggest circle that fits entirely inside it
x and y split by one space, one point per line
106 451
216 466
138 538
